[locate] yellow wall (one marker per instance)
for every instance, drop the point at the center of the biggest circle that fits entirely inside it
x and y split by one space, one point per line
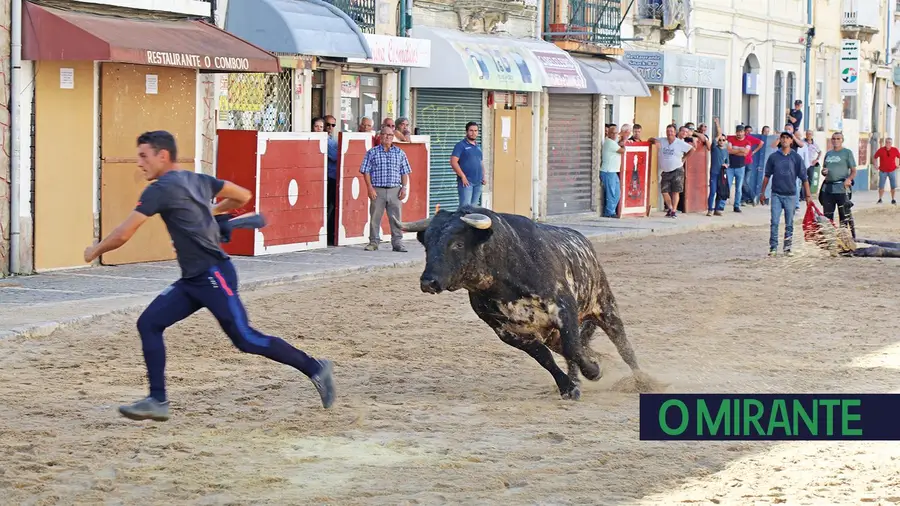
64 165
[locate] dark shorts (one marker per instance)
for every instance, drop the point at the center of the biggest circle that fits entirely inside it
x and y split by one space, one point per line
672 182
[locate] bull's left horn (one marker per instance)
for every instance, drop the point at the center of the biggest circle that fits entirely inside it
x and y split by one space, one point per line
478 221
416 226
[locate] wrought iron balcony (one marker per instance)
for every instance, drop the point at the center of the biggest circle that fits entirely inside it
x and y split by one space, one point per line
861 19
362 12
594 22
661 18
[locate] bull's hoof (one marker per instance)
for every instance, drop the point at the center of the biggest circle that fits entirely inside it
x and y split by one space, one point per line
573 393
593 371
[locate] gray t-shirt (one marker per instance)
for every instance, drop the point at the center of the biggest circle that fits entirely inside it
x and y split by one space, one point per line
838 164
183 200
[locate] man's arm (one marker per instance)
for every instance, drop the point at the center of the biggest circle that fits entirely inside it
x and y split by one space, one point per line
405 170
687 153
454 164
150 203
332 149
233 197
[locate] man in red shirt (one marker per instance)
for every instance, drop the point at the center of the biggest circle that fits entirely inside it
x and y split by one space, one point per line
887 159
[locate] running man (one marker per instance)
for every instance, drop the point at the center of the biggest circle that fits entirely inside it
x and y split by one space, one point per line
183 199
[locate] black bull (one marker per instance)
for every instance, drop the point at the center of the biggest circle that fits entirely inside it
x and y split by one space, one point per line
539 287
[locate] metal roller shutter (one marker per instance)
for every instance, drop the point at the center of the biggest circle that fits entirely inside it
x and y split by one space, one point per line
570 167
443 114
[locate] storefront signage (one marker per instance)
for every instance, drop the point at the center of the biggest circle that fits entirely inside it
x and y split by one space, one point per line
497 67
396 51
849 71
561 70
197 61
677 69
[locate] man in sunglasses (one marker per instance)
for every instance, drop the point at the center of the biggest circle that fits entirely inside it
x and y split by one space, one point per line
331 196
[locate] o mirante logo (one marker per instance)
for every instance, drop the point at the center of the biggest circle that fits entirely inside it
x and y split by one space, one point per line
799 417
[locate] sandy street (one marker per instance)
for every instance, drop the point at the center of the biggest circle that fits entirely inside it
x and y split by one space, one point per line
434 409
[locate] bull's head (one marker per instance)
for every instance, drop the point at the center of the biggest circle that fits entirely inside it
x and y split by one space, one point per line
453 244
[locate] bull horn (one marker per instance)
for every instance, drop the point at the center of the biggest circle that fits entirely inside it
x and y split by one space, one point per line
478 221
416 226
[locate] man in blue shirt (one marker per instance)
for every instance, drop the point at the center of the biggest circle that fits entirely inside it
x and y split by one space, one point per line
386 169
467 162
183 198
784 167
329 124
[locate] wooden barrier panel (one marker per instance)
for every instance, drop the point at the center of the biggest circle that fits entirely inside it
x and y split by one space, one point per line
352 200
696 181
353 203
288 176
635 180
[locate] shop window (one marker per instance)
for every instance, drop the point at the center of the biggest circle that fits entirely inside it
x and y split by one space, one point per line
780 119
702 106
360 98
716 110
256 101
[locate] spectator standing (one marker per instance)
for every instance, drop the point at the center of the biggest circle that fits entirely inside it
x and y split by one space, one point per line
839 170
672 153
331 195
795 116
739 148
467 160
718 164
784 167
887 158
386 169
610 165
401 133
813 153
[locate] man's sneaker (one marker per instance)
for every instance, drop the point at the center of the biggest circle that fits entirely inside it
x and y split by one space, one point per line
772 253
737 210
371 246
324 383
788 253
893 202
146 409
879 201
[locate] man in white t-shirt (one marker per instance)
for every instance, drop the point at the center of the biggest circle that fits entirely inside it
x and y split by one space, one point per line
672 152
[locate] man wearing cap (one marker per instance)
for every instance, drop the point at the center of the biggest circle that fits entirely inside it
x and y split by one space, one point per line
784 167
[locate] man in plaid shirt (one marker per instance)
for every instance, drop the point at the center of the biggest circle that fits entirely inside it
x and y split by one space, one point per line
387 179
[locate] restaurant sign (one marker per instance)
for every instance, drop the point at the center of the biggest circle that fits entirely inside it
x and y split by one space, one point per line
197 61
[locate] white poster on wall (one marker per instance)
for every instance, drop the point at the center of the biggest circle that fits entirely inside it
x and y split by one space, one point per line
865 124
849 70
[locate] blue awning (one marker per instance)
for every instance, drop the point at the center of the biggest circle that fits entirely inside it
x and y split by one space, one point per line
610 77
303 27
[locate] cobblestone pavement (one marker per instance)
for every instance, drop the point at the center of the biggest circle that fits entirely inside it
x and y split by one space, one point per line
41 303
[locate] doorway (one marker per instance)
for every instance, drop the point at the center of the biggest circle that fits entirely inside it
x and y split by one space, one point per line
511 184
749 103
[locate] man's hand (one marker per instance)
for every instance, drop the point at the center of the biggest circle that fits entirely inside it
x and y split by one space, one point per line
402 194
372 193
89 253
762 199
847 183
483 181
464 180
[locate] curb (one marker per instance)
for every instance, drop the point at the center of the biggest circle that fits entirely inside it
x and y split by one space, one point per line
44 329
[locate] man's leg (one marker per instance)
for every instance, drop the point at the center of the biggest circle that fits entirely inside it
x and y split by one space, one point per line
738 184
465 194
375 215
169 307
883 244
713 188
828 204
225 304
609 195
775 217
393 209
882 179
677 188
665 187
789 211
844 212
892 177
331 198
476 193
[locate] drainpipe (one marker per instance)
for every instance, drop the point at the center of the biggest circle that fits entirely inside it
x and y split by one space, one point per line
404 72
810 33
536 111
15 129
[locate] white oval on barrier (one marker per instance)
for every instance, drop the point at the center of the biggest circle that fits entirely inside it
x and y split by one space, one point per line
293 192
354 188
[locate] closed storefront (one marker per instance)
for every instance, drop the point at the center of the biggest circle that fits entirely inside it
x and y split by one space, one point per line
443 114
126 110
570 166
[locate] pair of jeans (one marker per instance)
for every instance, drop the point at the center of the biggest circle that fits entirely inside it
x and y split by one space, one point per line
714 177
468 195
778 204
611 191
748 189
735 175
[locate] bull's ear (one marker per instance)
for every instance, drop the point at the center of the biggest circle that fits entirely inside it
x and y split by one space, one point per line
420 236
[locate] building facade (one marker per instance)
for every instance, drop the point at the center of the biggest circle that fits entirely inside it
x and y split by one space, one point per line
854 88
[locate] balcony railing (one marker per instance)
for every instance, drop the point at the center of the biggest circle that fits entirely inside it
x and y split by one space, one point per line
861 13
587 21
362 12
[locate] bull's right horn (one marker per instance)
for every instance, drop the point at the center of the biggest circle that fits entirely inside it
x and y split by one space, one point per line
416 226
477 220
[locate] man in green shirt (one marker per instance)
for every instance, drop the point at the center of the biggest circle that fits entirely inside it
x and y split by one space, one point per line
839 169
610 166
